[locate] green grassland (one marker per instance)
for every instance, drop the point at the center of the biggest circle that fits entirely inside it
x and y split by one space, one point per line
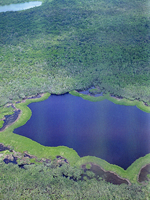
72 44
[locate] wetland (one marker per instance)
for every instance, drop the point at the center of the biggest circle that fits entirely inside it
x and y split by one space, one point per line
69 45
116 133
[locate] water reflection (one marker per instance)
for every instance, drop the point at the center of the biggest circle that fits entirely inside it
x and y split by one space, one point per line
20 6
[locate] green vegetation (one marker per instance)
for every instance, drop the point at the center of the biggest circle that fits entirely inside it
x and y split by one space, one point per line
63 46
48 181
66 45
131 173
122 101
7 110
94 91
1 123
21 144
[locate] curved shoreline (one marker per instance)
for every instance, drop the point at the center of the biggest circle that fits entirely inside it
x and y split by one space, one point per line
21 144
124 180
139 104
32 97
12 122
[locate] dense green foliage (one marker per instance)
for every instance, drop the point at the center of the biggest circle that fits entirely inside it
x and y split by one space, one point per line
47 181
74 44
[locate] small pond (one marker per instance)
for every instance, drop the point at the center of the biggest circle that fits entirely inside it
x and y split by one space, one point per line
118 134
144 173
108 176
20 6
9 119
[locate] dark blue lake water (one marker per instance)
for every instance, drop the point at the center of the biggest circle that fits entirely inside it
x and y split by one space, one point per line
119 134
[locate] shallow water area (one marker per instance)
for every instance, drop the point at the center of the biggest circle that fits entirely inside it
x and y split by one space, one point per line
108 176
9 119
143 173
116 133
20 6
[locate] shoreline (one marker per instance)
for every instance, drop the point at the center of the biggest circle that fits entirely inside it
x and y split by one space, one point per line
16 109
121 101
12 122
21 144
105 171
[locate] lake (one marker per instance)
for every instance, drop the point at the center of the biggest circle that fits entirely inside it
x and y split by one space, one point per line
116 133
20 6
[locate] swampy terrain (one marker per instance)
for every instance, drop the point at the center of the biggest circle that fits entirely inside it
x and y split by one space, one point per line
116 133
61 46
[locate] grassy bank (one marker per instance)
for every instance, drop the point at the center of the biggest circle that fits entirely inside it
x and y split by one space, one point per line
131 173
21 143
122 101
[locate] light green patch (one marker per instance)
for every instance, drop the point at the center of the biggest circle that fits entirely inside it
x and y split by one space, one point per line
95 91
88 166
5 111
1 123
3 154
148 176
126 102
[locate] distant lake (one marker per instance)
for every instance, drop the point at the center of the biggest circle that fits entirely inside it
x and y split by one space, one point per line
20 6
119 134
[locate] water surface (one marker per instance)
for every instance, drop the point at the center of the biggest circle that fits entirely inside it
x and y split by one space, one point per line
20 6
119 134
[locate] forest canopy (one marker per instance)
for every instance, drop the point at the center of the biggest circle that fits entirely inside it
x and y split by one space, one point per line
75 44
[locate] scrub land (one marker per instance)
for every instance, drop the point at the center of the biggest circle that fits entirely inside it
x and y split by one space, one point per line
62 46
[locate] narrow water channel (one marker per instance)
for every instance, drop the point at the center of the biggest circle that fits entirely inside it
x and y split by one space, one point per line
119 134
